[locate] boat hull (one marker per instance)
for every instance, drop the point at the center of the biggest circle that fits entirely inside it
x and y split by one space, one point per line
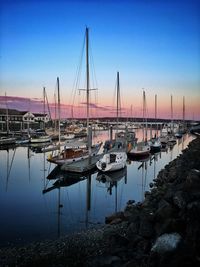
108 164
139 151
7 141
77 155
40 140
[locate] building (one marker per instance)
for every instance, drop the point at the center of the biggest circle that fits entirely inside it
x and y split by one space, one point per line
13 115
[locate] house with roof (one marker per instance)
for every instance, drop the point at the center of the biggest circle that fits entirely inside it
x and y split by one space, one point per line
13 115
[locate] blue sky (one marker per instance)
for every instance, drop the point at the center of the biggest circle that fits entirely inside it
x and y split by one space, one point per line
153 44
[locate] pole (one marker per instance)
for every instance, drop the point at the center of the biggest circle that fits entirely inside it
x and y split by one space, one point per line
118 96
87 74
44 105
58 84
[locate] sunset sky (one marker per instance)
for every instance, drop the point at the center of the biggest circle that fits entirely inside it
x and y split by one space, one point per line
154 44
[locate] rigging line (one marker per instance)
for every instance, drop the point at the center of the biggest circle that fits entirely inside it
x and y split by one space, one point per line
95 84
55 107
48 105
78 71
120 104
114 97
96 102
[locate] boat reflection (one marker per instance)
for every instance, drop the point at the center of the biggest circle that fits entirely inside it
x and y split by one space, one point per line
8 147
64 179
154 161
139 158
67 179
111 179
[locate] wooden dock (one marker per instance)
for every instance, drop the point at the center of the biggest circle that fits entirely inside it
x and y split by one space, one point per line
82 166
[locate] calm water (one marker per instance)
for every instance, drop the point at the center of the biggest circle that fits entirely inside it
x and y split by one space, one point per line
33 208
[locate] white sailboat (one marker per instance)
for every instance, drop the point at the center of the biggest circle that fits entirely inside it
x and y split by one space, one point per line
72 154
141 149
42 137
116 159
155 143
181 127
172 138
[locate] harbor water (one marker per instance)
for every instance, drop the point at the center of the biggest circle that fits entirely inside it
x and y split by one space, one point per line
37 204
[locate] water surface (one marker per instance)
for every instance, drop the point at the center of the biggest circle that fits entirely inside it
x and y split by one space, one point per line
33 208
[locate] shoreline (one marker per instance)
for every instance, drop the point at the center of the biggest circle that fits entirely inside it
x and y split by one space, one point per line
163 230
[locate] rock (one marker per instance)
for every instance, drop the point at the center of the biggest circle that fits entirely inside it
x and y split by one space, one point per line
117 215
116 221
166 242
165 210
180 200
133 228
146 228
130 202
151 185
192 181
106 260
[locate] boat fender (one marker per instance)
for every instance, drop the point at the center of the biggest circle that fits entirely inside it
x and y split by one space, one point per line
103 165
49 156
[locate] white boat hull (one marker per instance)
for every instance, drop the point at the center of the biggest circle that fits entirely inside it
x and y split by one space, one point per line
106 164
42 139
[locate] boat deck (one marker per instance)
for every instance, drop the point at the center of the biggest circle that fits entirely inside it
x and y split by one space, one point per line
82 166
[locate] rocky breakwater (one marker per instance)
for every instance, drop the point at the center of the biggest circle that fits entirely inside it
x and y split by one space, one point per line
163 230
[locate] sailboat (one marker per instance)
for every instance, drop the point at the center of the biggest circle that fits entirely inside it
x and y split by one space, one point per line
73 154
41 136
7 140
172 138
141 149
181 128
155 143
116 159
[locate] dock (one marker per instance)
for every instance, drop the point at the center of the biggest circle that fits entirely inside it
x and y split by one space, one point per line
83 165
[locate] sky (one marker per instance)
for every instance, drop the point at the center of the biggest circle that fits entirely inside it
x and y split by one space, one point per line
154 44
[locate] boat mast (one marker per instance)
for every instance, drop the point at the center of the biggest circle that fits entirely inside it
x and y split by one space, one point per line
144 117
172 130
89 132
156 114
58 85
7 119
183 109
171 108
44 106
87 76
118 99
55 113
155 107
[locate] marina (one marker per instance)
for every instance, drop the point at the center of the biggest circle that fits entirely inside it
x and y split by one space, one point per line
74 202
99 133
